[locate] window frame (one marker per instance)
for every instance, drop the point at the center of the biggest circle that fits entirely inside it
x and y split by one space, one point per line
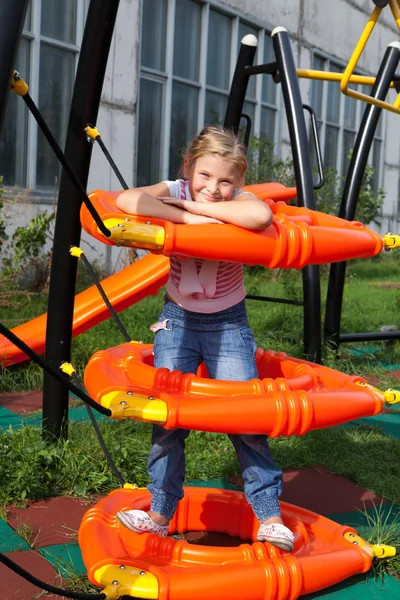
201 85
31 76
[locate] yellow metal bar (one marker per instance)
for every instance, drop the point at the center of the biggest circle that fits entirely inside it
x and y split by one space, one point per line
348 73
395 8
359 48
332 76
125 232
126 405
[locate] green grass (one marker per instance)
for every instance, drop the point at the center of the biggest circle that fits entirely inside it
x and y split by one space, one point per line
383 527
366 307
30 469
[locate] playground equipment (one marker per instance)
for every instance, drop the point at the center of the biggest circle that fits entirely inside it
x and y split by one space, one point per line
291 396
296 238
283 69
148 566
299 398
128 286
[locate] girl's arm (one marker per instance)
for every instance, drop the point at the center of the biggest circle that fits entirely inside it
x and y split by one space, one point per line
144 202
245 211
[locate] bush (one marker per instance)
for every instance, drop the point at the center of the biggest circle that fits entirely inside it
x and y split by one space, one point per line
264 166
24 261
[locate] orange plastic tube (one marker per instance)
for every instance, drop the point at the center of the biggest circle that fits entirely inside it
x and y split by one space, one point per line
128 286
289 242
272 191
290 398
250 571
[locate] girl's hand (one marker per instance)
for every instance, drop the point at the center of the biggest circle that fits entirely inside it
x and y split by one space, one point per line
188 205
192 214
191 219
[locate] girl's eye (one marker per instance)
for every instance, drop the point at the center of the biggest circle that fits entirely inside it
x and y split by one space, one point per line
204 174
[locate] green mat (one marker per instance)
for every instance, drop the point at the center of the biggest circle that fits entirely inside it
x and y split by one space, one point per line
10 541
360 588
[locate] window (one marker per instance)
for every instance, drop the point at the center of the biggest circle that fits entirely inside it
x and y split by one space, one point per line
339 118
185 78
47 59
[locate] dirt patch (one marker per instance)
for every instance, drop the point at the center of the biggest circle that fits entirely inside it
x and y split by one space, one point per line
387 284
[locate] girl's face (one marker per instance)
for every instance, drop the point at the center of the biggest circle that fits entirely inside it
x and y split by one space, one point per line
212 179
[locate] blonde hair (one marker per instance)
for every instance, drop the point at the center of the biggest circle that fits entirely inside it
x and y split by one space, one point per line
219 141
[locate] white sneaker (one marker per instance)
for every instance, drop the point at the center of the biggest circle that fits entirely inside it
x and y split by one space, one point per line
276 534
140 522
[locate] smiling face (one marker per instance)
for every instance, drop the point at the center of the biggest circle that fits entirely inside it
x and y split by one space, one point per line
212 179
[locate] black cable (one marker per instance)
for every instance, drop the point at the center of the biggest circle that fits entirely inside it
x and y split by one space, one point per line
61 157
279 300
106 300
102 443
56 374
46 586
112 163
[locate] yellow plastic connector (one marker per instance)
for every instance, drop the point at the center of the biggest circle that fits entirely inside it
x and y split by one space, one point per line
383 551
18 85
390 241
67 368
75 251
127 232
391 396
121 580
374 550
92 133
129 405
131 486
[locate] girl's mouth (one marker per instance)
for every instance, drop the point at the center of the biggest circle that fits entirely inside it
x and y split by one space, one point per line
210 198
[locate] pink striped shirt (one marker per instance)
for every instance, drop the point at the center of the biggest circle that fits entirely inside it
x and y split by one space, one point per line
203 286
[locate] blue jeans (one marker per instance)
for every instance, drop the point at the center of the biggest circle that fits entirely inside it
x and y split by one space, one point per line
225 342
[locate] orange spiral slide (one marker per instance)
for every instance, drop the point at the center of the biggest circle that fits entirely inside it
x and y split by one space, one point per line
123 289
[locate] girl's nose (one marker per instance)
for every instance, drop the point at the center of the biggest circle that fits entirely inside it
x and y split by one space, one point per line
212 187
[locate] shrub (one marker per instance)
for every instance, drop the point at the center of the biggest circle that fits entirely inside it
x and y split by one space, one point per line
264 166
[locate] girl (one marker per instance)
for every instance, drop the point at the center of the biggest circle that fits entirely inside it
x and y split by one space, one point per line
204 319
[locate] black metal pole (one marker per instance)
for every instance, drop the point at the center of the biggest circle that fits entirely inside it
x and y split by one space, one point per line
112 163
304 183
359 158
369 337
239 84
84 109
12 17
